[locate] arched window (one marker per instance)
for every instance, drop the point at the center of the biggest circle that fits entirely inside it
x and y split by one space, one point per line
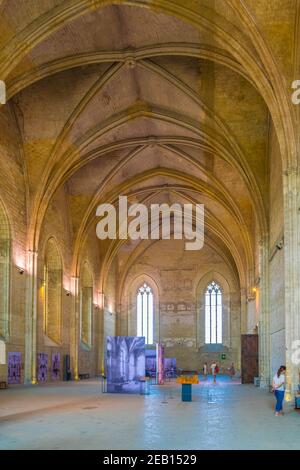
213 314
53 291
4 274
145 313
86 305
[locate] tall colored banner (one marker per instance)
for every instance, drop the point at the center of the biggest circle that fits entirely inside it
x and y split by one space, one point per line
55 369
159 364
125 363
14 367
42 374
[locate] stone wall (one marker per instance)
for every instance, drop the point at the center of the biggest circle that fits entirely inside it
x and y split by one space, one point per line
276 266
179 278
13 196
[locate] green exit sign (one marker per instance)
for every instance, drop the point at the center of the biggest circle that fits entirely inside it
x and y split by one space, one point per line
223 356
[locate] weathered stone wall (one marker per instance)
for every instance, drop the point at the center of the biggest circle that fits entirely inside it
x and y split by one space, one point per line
277 285
109 312
13 199
90 358
179 278
56 225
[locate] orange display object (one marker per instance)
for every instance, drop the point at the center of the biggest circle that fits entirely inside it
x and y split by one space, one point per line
188 379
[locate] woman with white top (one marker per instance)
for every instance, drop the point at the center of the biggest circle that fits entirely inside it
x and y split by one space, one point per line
278 388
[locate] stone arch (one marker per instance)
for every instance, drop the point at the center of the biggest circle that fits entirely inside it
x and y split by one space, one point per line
129 305
226 290
231 302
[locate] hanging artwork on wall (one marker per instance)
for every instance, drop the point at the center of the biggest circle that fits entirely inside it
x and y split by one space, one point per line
170 367
14 367
55 370
150 357
125 363
42 374
159 364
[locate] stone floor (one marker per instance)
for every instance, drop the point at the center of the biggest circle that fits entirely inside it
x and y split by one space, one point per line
78 416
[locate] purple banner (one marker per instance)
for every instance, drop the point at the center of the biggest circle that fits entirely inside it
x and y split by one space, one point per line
14 367
42 374
55 366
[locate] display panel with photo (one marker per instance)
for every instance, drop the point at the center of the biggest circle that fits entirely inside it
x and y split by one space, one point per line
125 363
14 367
42 374
55 370
150 358
170 367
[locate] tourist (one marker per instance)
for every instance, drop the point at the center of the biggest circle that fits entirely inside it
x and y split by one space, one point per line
278 389
232 371
214 370
205 370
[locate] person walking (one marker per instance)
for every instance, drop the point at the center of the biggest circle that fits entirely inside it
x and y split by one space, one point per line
278 388
205 370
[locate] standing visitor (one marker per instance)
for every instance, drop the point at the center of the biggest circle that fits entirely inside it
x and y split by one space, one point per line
213 367
232 371
278 388
205 370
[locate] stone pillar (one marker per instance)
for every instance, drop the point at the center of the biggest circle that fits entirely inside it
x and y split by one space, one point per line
75 328
291 186
102 345
264 312
31 319
244 311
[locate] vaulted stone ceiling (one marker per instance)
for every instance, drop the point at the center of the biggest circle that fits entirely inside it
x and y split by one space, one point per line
161 101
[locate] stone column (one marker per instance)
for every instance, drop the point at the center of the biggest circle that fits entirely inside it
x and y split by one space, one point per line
100 325
75 328
264 311
31 319
102 344
244 311
291 186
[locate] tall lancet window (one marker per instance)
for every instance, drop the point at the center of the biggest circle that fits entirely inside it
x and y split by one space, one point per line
213 314
145 313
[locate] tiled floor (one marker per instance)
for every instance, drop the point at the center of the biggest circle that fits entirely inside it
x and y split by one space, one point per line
78 416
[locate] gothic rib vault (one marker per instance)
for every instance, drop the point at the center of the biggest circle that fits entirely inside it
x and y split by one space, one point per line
162 101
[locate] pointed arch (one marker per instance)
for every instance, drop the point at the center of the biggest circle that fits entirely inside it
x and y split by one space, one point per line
130 303
213 314
230 325
144 313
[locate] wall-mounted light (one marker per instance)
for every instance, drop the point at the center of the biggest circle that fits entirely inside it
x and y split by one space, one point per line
279 244
257 281
68 293
21 270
